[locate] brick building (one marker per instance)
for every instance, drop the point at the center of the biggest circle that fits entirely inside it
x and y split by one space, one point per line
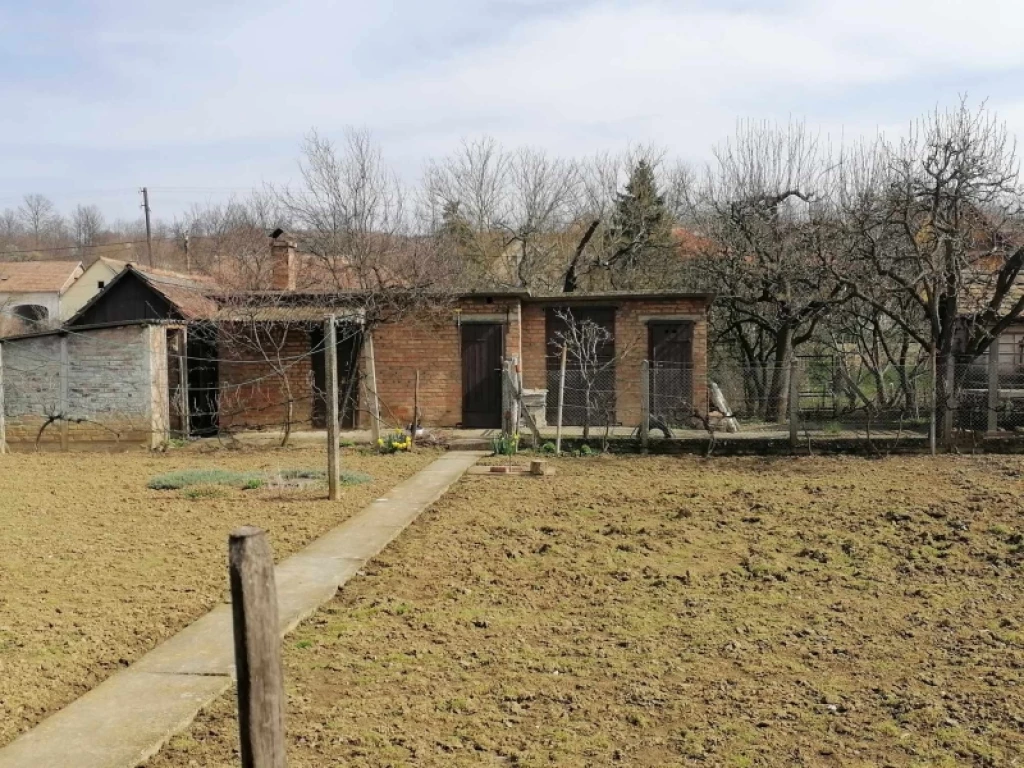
256 360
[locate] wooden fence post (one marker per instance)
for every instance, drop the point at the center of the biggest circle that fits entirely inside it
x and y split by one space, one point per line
645 404
371 386
794 403
331 369
257 649
948 400
992 422
415 409
3 417
561 401
186 426
933 431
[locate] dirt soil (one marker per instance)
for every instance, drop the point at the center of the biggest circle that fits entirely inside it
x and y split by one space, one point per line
675 611
96 569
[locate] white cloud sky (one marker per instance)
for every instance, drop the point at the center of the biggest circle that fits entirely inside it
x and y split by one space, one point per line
198 99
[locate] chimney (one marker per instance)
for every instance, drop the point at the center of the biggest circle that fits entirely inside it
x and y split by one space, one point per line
282 263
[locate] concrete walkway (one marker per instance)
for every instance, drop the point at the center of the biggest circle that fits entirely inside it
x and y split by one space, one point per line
127 718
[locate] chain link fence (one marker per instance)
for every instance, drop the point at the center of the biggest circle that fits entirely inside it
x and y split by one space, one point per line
814 398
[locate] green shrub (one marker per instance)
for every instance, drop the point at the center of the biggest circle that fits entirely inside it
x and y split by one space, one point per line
505 445
586 450
548 448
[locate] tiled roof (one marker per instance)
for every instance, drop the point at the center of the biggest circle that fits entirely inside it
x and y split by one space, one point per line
190 294
38 276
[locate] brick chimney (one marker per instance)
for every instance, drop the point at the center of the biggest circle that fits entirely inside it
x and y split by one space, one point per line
282 262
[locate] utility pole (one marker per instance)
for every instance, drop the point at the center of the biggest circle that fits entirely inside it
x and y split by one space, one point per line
149 231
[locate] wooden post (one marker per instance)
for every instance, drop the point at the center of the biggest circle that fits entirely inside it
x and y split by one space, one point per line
371 388
948 400
186 425
331 369
645 404
992 422
932 422
561 401
415 408
794 403
3 417
62 405
257 649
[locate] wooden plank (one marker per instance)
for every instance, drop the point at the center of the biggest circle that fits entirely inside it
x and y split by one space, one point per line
561 401
257 649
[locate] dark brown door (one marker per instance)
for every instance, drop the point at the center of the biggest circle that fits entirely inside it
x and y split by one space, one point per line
671 374
482 349
349 346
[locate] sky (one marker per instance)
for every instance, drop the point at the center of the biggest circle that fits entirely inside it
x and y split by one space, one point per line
201 100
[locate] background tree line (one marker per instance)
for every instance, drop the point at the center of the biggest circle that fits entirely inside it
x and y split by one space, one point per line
889 251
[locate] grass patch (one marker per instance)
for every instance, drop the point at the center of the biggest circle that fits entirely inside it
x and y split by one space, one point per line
247 481
184 478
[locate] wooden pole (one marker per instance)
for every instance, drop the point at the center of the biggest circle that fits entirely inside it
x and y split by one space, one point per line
949 401
371 386
257 649
331 369
3 417
561 401
794 403
415 409
186 426
645 404
932 422
992 422
149 231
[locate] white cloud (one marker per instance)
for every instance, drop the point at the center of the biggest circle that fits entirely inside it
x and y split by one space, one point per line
575 78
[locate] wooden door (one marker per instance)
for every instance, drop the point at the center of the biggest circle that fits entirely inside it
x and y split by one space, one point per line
482 349
670 352
203 382
349 346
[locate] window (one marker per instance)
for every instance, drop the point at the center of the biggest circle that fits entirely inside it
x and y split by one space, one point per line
32 313
100 284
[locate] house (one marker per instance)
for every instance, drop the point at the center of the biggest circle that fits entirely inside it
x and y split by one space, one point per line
255 359
32 293
93 280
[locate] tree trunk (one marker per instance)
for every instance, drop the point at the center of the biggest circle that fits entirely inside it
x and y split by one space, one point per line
778 393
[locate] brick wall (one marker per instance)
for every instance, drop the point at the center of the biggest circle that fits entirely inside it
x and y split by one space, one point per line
254 390
631 318
431 343
112 387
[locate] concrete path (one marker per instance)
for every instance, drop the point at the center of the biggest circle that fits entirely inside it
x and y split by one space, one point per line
127 718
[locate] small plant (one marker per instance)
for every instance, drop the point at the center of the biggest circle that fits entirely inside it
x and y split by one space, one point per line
200 492
346 443
548 448
505 444
586 450
393 442
252 484
183 478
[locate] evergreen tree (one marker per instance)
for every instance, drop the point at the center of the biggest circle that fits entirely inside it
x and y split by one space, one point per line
640 236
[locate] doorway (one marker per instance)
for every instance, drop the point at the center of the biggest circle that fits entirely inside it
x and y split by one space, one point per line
349 345
670 354
483 345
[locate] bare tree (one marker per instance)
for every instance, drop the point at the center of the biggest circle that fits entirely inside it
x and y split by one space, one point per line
39 217
587 343
87 224
935 222
764 209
